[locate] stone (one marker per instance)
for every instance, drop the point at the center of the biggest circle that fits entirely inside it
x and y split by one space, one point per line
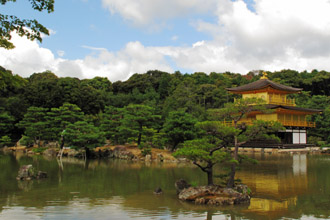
160 157
50 152
27 172
158 191
121 152
325 151
180 185
216 195
41 175
148 158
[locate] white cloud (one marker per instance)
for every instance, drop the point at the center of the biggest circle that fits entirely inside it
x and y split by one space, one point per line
60 53
145 12
134 58
279 34
28 57
94 48
174 38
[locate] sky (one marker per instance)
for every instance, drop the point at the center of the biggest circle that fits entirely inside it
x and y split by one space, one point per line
117 38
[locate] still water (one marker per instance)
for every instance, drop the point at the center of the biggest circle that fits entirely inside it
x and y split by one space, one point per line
284 187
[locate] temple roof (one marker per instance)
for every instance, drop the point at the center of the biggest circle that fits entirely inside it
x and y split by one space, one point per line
261 84
270 106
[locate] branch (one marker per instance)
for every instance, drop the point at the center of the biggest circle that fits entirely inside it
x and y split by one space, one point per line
215 149
241 143
197 164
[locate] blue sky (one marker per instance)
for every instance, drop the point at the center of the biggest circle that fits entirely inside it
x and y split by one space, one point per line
79 24
117 38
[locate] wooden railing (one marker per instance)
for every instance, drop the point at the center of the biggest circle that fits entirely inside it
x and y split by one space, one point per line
297 123
281 101
284 123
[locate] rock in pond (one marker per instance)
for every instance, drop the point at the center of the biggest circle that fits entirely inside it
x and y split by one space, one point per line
27 172
180 185
216 195
158 191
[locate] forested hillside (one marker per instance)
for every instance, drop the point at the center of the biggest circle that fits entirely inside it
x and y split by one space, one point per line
156 107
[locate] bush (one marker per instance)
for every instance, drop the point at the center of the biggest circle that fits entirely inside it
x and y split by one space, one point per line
145 149
26 141
39 150
317 141
5 141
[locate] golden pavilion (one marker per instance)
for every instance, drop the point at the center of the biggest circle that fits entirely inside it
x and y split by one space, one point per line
293 118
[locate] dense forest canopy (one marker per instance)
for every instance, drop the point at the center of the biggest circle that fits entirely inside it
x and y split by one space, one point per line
156 101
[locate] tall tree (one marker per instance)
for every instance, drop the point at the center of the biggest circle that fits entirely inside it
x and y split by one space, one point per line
34 123
110 123
234 113
83 135
6 123
43 91
32 29
136 117
210 149
59 118
179 126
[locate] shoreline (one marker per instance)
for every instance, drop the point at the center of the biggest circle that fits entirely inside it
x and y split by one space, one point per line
133 153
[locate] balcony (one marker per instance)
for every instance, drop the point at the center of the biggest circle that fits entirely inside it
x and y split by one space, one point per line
281 101
292 123
288 123
277 100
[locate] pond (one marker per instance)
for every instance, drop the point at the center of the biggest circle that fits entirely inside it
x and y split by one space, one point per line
284 187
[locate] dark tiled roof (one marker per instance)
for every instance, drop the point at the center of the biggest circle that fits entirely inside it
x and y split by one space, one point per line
263 83
294 108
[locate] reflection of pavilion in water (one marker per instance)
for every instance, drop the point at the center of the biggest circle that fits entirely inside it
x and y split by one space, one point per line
274 192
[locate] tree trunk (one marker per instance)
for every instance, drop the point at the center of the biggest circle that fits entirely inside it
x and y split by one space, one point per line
140 135
209 177
231 180
174 146
209 171
209 215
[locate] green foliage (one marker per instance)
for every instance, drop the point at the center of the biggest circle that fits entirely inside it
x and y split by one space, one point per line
184 96
26 141
201 150
158 140
218 133
32 29
110 123
236 111
193 183
5 141
261 130
317 141
6 122
39 149
82 134
10 84
145 149
34 123
323 125
179 126
135 119
181 100
210 149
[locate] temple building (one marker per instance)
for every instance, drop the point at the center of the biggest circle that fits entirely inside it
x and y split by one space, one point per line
294 119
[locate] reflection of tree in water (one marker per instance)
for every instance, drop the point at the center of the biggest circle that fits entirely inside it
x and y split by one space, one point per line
168 203
26 186
131 185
